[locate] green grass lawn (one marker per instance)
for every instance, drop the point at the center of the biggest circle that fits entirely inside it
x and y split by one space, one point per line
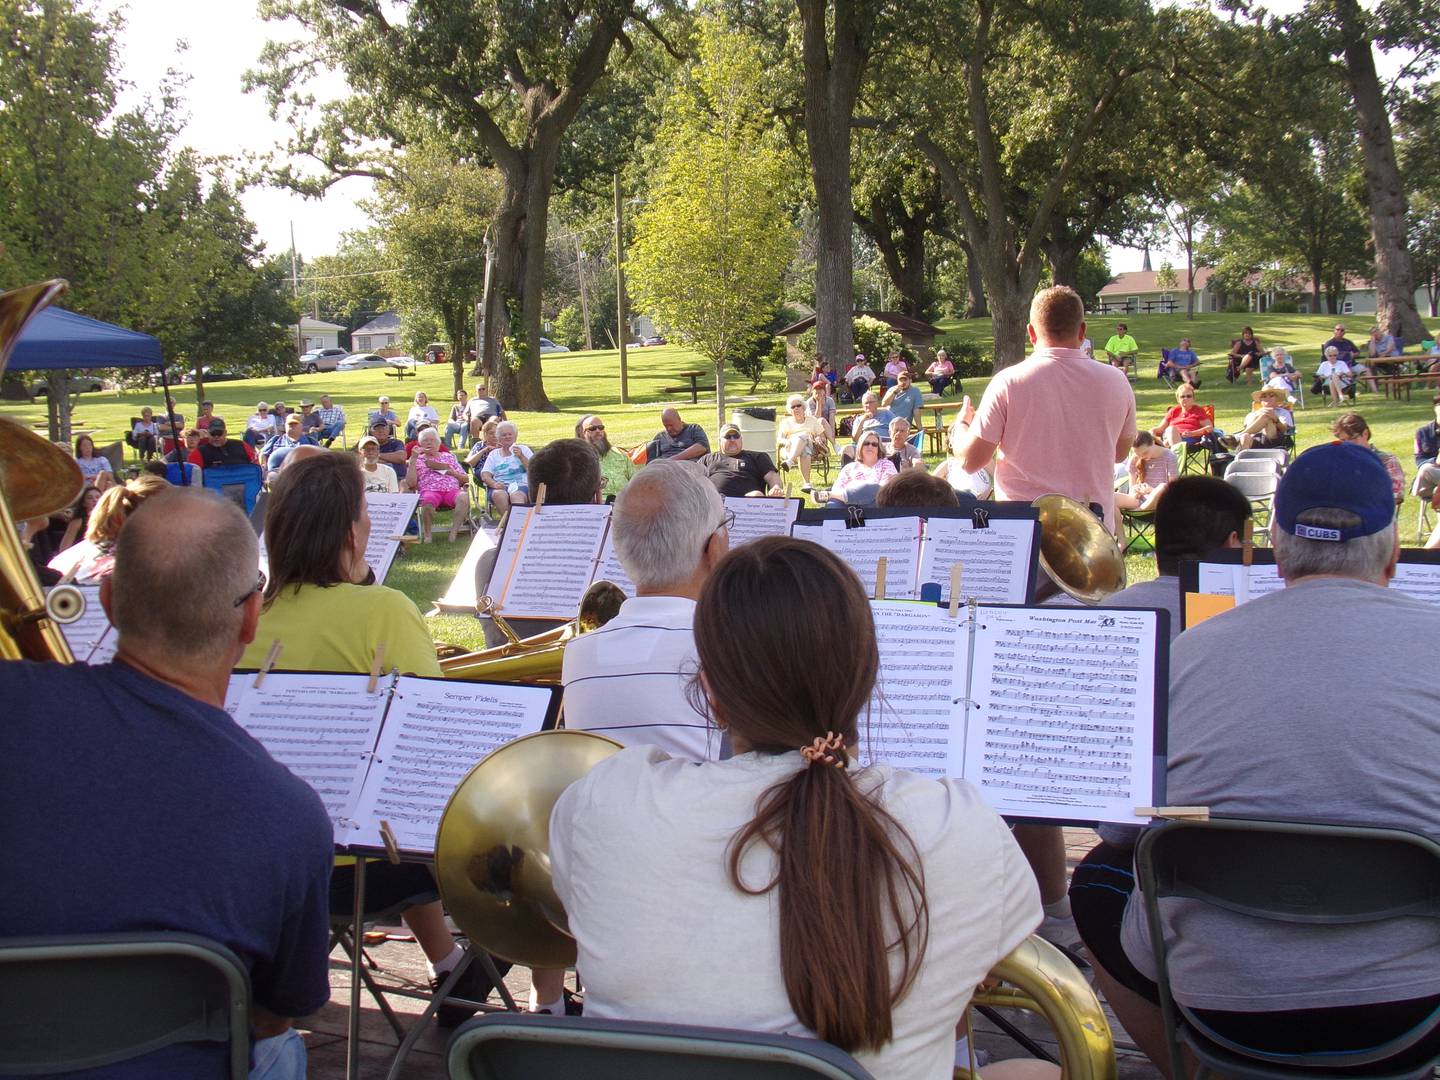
583 382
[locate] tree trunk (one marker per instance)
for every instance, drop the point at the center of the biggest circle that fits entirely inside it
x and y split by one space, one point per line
975 305
517 286
1064 258
904 261
832 80
1394 280
1010 312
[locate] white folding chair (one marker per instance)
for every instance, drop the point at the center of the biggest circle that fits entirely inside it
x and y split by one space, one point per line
1259 488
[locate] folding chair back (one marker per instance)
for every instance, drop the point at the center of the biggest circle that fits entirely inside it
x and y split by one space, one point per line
84 1001
1276 455
1285 872
506 1046
240 483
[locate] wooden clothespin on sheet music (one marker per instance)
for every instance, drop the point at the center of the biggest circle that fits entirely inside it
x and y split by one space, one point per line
956 572
539 497
377 664
392 849
270 658
1247 543
880 565
1175 813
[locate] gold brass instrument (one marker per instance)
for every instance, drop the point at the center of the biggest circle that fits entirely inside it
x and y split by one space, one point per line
536 659
1079 555
492 862
1037 977
492 851
36 479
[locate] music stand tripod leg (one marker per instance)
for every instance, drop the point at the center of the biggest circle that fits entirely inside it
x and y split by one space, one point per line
472 955
357 970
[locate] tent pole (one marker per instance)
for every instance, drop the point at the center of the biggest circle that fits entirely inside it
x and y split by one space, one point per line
175 432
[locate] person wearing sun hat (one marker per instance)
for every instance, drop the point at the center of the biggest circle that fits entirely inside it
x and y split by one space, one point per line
1270 424
1356 741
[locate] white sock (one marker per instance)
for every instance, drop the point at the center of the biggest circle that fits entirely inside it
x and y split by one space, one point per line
445 964
554 1008
1060 909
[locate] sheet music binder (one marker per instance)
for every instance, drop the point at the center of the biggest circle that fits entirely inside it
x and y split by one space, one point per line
581 551
395 754
1056 714
1417 575
995 536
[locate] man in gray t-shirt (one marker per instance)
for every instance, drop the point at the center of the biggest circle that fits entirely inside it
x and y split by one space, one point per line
1358 742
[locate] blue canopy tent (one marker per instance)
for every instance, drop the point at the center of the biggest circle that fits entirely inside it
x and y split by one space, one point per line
55 340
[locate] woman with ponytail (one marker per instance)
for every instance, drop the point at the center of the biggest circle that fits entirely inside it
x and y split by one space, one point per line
789 889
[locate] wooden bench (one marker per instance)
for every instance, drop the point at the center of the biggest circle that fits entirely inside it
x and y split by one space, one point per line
1392 385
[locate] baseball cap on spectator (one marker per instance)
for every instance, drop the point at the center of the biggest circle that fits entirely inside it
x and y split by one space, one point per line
293 418
380 421
217 426
367 440
729 429
1335 476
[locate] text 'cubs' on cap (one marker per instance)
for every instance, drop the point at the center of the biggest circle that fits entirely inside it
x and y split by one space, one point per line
1336 476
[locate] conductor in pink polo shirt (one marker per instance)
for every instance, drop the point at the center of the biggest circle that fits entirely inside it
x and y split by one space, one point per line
1060 421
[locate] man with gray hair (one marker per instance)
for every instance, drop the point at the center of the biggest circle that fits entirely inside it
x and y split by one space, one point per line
1354 743
629 679
188 823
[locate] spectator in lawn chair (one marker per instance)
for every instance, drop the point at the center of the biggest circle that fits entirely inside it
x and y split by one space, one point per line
677 440
332 420
1351 427
383 411
901 452
1270 425
220 449
941 374
261 427
859 377
615 465
1334 377
1244 357
1183 364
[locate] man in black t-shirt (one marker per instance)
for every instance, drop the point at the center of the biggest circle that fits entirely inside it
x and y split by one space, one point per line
734 471
218 449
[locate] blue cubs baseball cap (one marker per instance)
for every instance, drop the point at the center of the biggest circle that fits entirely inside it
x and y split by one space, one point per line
1335 476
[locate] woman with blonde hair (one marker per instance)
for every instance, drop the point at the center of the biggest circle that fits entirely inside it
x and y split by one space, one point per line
94 557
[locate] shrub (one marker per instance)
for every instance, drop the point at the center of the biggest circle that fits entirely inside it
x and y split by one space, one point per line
970 360
569 328
873 338
1284 307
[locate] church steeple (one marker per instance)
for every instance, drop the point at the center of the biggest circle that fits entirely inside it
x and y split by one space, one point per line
1146 265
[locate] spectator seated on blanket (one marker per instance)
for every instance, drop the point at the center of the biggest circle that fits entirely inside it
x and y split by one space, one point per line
1152 469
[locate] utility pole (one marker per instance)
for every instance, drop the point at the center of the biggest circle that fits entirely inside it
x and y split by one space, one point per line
584 303
620 294
295 287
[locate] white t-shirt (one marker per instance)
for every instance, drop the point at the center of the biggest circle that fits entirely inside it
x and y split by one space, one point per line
1337 367
639 855
420 413
627 680
382 479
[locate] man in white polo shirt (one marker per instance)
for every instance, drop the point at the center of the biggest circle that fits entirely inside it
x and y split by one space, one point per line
629 679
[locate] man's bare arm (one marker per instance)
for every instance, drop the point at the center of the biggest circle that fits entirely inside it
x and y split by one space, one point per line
692 453
973 452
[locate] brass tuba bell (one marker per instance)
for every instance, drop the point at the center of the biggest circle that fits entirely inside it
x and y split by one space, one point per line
36 479
492 862
1079 555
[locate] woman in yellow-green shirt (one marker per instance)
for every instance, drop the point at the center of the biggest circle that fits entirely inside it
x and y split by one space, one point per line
317 603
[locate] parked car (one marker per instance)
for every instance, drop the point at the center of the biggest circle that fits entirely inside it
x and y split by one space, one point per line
656 340
374 360
546 345
322 360
79 384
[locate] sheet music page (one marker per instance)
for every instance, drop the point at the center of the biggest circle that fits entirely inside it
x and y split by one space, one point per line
461 594
389 514
757 517
1243 583
556 563
1420 580
1063 715
898 539
88 635
995 561
610 568
917 714
320 727
436 731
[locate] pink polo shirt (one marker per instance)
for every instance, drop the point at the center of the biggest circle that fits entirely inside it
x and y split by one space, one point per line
1057 417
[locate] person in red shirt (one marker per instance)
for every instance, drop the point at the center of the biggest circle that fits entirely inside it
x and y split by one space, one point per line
218 449
1186 421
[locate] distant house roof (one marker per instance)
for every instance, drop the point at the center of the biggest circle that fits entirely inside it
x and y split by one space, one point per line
387 322
905 324
307 323
1135 282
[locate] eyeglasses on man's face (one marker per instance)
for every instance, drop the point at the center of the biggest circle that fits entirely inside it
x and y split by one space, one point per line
260 582
727 521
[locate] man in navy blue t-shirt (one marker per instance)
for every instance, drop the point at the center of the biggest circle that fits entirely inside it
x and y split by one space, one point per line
131 801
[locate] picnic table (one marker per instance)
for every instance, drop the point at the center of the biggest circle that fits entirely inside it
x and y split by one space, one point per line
401 372
1126 307
1391 381
694 377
